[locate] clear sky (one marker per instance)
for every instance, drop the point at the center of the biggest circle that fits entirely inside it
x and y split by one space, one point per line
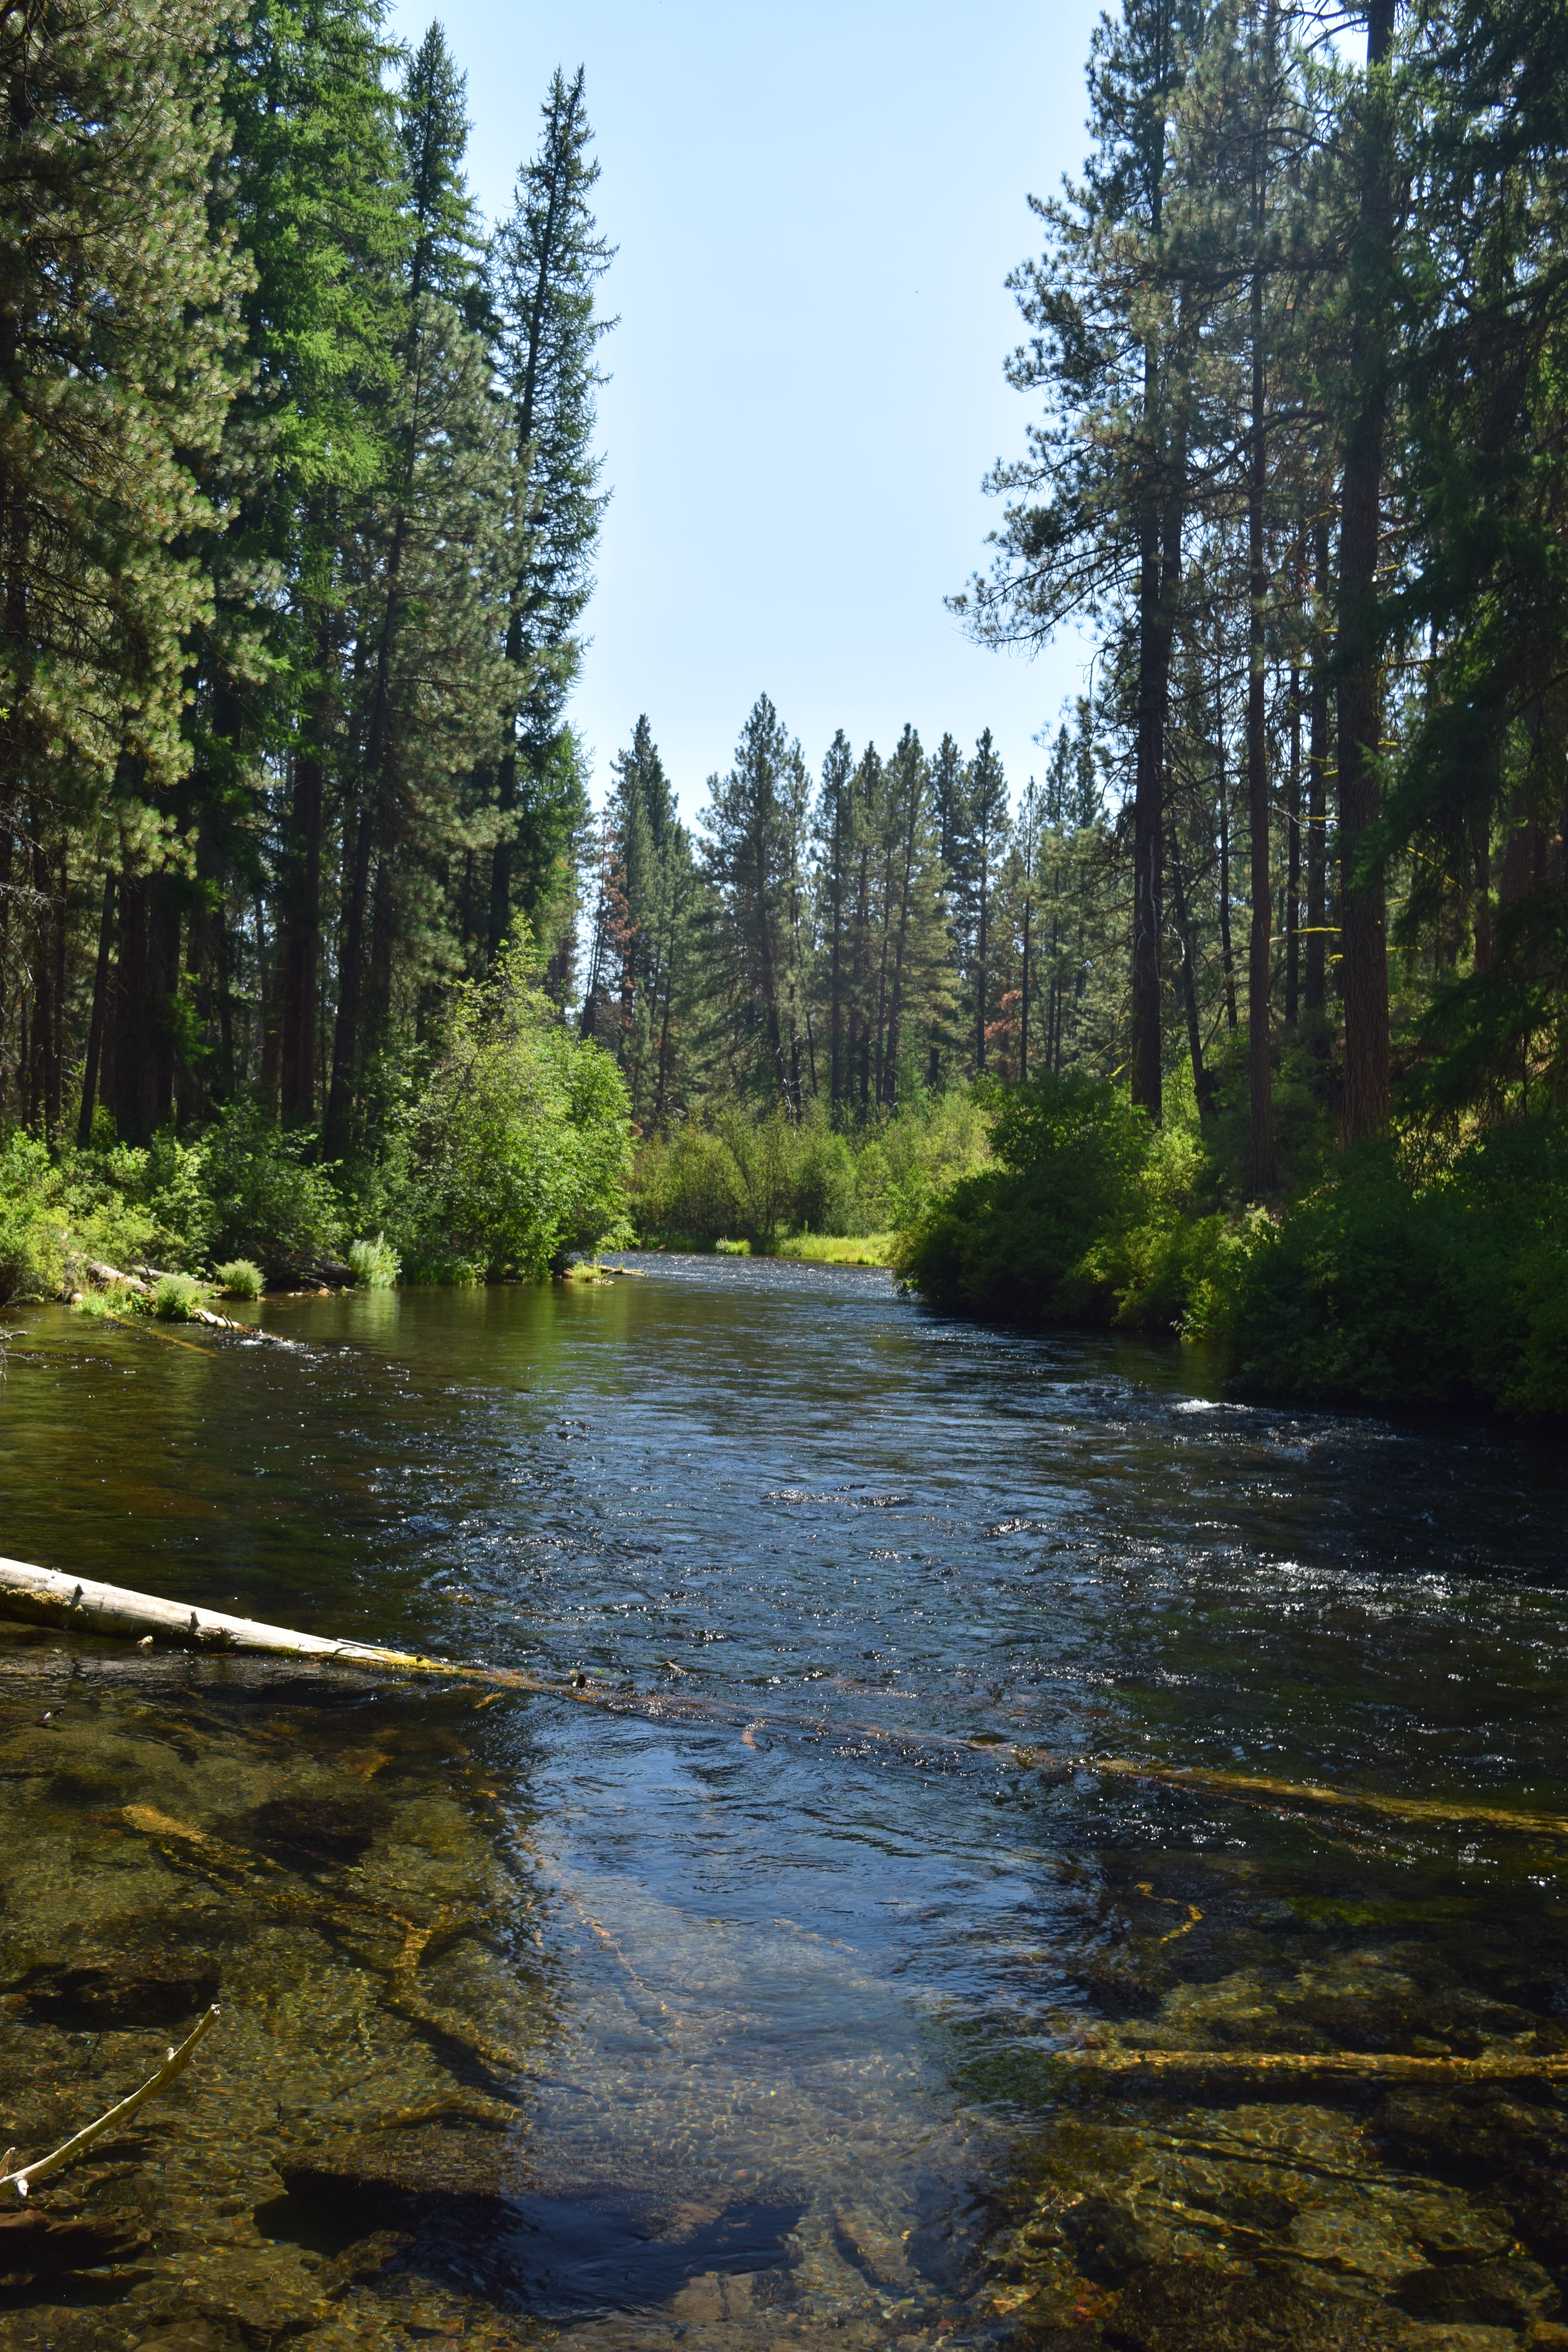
816 206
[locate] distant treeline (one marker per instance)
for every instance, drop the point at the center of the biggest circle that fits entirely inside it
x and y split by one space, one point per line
855 941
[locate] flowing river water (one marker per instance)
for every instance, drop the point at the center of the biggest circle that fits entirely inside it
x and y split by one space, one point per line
615 2023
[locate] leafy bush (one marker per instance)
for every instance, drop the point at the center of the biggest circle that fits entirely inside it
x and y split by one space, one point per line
1021 1239
521 1145
375 1266
927 1145
177 1298
240 1278
1087 1217
35 1222
1390 1285
268 1202
751 1177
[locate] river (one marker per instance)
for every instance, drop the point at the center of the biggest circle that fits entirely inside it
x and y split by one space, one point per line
623 2024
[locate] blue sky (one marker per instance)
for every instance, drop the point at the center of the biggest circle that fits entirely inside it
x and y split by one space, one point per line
816 208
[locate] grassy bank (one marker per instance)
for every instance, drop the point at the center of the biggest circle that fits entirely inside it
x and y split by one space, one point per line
1427 1270
841 1249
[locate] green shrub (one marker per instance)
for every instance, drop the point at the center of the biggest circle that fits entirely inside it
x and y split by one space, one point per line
1392 1284
239 1277
375 1266
177 1298
733 1249
270 1202
1032 1238
521 1145
128 1205
34 1222
93 1304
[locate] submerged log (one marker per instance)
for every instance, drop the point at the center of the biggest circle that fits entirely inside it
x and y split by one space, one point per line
45 1596
1382 2066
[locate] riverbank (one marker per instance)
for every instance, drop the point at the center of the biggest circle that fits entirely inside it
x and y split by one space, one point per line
813 1249
1424 1270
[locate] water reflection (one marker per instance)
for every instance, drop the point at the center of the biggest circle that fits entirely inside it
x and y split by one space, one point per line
549 2017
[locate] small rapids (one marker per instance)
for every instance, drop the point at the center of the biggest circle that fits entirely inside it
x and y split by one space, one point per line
747 2004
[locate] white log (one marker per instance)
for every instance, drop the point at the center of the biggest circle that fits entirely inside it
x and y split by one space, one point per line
44 1596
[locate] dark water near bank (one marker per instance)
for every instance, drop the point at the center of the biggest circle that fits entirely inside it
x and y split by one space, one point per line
543 2018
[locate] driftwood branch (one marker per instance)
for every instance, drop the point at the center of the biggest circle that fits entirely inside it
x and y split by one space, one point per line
175 2064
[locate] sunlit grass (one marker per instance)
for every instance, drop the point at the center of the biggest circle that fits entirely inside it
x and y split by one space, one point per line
839 1249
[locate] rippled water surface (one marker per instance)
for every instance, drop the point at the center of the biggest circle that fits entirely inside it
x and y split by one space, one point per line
959 1715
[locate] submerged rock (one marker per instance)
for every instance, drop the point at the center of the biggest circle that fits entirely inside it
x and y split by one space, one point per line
120 1989
1184 2307
35 2244
312 1833
1490 2295
378 2180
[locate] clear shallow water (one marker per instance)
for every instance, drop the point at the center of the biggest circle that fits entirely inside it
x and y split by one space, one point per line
751 2022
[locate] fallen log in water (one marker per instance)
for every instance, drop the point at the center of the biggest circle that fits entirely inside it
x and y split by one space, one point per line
45 1596
1382 2066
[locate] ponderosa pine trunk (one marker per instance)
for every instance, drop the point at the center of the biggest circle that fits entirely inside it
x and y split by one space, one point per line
132 1092
1313 989
1293 860
299 960
1259 1065
1363 970
99 1016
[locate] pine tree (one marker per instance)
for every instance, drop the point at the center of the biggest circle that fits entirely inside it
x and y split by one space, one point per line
752 863
421 573
1369 298
986 792
1097 506
313 192
548 259
834 839
919 993
648 926
119 301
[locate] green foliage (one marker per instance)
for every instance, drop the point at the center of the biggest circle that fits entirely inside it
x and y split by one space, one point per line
1087 1217
177 1298
764 1175
33 1223
1385 1286
268 1201
1018 1238
1400 1278
521 1148
240 1278
375 1266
